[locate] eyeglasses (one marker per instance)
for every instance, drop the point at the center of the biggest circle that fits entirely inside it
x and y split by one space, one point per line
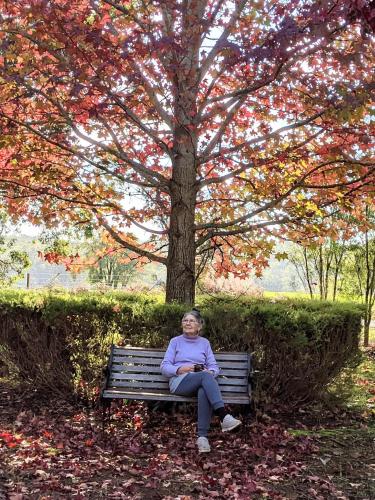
189 321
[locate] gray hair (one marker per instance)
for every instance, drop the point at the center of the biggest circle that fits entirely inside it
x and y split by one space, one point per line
197 315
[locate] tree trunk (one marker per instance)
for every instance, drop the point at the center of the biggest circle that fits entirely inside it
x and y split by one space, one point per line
366 332
180 285
321 274
338 259
308 280
184 184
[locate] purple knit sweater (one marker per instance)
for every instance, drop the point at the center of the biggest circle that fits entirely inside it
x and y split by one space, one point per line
184 350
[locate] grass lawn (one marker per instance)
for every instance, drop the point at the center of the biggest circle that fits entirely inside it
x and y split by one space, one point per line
304 295
288 295
372 336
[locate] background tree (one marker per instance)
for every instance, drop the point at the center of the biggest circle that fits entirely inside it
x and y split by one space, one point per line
112 268
13 263
360 271
214 126
320 265
91 252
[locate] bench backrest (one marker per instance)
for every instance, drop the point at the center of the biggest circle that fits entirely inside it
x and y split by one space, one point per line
139 368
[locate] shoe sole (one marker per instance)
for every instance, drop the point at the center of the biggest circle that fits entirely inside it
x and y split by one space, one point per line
231 428
204 451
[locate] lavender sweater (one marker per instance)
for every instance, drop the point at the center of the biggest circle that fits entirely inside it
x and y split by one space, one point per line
184 350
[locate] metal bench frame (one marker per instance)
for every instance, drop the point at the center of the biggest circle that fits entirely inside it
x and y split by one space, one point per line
134 373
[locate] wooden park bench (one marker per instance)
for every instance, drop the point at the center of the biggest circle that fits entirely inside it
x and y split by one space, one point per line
134 373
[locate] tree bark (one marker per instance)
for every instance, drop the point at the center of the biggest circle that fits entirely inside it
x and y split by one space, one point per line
308 279
180 285
366 331
181 251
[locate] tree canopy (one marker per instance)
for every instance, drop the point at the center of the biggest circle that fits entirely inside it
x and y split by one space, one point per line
214 126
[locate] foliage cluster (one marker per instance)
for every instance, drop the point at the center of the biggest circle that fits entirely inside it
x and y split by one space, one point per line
61 341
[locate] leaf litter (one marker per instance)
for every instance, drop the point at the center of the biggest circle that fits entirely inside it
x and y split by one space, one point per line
56 449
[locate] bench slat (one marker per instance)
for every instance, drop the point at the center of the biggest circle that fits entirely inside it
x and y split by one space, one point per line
165 385
138 362
156 369
139 383
159 354
138 351
137 359
151 377
234 388
138 376
161 396
135 368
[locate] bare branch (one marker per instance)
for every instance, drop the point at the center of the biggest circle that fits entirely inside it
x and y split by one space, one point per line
219 134
136 223
140 251
222 39
247 166
135 119
276 201
151 92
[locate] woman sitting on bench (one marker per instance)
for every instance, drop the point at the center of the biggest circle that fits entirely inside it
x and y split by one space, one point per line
190 365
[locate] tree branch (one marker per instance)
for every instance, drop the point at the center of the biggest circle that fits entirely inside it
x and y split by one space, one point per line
265 137
151 92
126 244
238 171
206 64
276 201
219 134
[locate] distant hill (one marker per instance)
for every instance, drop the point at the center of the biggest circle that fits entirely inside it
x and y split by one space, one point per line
280 276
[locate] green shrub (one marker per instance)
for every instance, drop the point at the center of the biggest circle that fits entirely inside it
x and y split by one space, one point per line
60 340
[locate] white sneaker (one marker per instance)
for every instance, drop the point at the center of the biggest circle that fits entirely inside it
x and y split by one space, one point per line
203 445
229 423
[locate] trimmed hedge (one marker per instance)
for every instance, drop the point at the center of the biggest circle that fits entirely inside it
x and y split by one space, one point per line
60 341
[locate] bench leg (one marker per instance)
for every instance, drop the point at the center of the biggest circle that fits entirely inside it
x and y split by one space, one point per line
106 412
246 412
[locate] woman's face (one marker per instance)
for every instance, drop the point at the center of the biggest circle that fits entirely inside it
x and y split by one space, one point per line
190 325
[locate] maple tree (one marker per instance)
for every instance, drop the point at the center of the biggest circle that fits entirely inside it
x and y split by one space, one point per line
214 126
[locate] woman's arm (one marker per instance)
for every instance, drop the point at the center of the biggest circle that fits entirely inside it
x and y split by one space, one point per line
167 365
211 361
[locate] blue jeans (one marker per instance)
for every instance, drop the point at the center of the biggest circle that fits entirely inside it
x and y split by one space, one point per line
209 396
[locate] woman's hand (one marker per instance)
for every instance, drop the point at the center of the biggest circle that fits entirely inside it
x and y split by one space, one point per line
209 371
185 369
